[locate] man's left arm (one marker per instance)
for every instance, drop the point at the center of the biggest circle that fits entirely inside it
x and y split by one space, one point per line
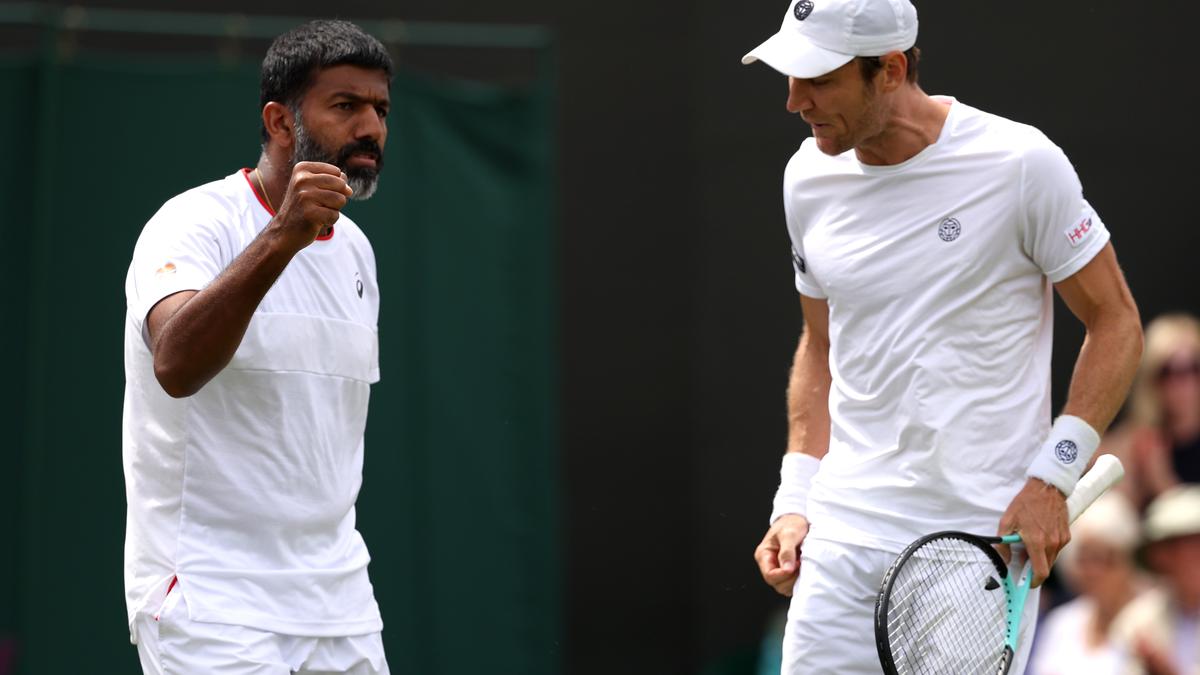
1098 296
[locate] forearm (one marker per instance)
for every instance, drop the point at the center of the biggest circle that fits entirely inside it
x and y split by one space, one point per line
201 337
808 398
1105 368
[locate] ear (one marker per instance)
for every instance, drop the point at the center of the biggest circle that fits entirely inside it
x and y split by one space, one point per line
895 70
278 121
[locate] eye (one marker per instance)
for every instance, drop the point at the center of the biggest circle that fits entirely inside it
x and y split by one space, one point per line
344 105
381 111
819 82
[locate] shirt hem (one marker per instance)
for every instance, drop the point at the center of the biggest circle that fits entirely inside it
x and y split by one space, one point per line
299 629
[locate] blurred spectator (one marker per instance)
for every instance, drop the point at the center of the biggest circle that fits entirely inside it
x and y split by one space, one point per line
1098 565
1159 440
1159 632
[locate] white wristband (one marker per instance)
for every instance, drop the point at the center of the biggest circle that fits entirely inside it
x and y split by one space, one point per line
795 476
1065 454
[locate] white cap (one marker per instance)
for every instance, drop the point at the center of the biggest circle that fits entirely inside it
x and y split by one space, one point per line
1174 513
819 36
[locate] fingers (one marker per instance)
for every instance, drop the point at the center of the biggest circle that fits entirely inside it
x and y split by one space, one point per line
317 167
1039 562
790 539
1038 513
778 556
767 556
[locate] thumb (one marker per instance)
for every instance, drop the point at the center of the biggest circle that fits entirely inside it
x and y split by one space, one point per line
788 546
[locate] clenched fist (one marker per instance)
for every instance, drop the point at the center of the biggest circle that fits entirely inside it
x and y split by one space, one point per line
314 199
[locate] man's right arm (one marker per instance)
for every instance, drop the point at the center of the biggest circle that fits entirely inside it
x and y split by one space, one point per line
194 334
808 386
778 555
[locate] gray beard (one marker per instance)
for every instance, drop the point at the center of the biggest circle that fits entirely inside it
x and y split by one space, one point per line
362 181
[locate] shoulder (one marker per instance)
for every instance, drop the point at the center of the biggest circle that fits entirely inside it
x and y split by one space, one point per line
1069 615
1147 613
1018 138
356 238
354 234
207 202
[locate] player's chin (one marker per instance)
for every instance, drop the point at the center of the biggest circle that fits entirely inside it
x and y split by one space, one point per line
363 182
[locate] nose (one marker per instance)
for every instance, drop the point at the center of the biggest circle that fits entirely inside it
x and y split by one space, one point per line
370 125
799 95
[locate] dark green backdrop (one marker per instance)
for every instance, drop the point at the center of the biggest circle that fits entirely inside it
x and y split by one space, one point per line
460 502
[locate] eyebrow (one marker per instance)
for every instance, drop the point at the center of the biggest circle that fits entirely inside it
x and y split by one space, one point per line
359 98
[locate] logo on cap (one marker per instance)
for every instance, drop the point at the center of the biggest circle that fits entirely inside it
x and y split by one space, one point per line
802 9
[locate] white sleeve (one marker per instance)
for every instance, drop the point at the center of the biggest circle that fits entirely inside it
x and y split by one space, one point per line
179 250
806 282
1061 232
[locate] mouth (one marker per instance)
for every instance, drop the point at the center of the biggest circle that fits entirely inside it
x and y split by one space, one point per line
367 160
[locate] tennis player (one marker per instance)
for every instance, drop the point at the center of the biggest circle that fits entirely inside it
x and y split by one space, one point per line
927 236
250 348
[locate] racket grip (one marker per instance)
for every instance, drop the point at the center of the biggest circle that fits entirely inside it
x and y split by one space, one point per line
1105 473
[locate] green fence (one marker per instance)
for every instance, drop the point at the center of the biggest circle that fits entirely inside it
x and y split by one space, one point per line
460 500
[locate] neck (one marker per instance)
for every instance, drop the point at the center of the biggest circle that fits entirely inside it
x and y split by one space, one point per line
913 121
274 175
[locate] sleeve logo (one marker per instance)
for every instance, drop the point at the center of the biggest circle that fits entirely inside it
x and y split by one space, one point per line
1066 451
1076 235
165 270
798 261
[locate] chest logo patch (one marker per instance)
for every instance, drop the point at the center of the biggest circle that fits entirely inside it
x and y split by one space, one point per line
358 284
802 9
949 229
1076 235
798 260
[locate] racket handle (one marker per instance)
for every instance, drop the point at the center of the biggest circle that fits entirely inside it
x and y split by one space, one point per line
1105 473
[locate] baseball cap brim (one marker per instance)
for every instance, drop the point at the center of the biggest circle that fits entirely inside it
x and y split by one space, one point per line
791 53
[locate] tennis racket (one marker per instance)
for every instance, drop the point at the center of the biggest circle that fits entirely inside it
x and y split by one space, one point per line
950 605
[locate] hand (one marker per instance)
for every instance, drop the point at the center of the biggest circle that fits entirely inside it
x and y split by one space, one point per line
1039 514
315 196
778 556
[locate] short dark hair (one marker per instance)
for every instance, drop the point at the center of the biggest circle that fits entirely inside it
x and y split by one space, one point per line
296 56
870 65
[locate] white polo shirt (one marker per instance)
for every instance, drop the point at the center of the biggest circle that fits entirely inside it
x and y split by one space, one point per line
937 273
245 491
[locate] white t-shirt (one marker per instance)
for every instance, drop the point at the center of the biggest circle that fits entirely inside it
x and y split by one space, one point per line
1062 648
940 321
245 491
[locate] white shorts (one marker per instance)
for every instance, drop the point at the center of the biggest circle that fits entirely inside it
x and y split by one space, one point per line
170 643
831 621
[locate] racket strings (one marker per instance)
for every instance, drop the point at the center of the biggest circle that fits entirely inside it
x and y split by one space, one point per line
947 609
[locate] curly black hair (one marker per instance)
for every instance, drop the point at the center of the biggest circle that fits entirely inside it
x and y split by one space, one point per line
296 56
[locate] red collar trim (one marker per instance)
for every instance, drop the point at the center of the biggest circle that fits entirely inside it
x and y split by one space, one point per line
267 207
254 189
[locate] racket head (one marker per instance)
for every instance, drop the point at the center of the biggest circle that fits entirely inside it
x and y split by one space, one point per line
943 608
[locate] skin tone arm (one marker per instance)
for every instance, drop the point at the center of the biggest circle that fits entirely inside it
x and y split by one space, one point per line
194 334
778 556
1098 296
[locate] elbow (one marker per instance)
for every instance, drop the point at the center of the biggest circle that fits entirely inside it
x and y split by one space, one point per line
174 383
